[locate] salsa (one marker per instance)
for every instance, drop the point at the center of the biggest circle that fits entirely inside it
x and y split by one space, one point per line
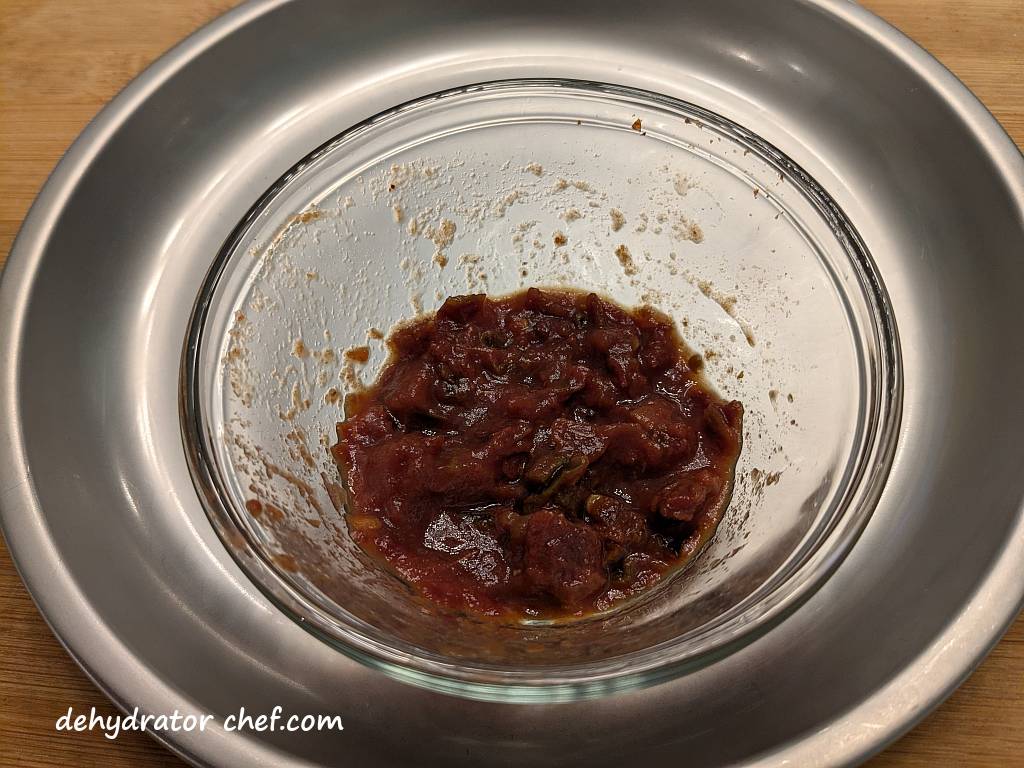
545 454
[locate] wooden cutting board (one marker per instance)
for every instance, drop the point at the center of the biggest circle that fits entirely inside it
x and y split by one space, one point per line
62 60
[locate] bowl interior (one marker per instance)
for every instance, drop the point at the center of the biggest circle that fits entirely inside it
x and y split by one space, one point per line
760 270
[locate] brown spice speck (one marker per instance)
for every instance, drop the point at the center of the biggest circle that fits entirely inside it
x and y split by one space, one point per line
560 239
307 216
618 219
637 125
441 259
332 396
445 234
685 229
375 333
728 305
626 260
299 348
358 354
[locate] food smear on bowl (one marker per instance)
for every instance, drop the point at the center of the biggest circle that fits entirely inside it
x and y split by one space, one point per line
545 454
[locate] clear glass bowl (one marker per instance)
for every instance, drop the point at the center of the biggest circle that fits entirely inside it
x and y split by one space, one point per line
759 267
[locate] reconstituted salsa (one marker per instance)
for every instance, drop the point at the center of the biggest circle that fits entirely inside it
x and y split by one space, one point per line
548 453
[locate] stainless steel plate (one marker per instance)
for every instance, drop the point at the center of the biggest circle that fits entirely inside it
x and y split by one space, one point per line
98 504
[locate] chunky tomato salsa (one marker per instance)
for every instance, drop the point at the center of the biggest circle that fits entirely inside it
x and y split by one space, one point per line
544 454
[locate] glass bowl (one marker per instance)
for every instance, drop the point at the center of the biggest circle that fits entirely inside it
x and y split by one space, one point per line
761 270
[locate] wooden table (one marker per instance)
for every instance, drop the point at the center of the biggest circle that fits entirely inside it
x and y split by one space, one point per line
62 60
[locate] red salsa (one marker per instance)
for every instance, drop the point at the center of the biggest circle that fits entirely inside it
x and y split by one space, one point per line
548 453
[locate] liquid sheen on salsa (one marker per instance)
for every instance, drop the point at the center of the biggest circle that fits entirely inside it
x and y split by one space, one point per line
545 454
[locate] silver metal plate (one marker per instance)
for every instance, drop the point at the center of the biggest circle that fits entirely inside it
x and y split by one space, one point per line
98 504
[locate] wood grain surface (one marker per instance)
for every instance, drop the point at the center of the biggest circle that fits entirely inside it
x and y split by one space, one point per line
61 60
